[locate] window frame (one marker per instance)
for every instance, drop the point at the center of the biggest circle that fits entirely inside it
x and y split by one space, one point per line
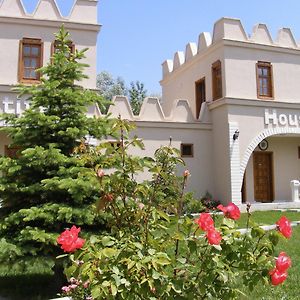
21 70
12 151
197 95
71 46
270 95
184 145
216 66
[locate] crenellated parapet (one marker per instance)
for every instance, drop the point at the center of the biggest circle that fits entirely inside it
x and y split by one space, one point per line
151 111
232 30
83 11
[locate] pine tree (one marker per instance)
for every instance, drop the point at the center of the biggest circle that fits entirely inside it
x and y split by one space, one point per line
47 187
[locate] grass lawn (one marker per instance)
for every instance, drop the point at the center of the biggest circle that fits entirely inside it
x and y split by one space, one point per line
289 290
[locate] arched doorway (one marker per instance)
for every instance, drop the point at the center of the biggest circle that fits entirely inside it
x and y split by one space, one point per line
270 162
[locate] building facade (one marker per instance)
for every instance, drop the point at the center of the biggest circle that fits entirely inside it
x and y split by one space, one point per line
230 103
28 41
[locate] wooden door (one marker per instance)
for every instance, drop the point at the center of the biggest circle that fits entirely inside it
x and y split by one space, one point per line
263 176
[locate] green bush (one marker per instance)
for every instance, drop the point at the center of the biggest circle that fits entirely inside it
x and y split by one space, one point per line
155 251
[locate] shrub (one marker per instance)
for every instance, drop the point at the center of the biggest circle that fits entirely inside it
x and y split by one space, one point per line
154 251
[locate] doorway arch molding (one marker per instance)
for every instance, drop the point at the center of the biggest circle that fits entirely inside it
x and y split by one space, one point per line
262 135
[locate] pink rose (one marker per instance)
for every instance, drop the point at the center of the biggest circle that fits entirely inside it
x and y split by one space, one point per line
66 289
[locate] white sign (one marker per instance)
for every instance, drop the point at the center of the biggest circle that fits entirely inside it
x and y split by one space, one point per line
13 106
272 118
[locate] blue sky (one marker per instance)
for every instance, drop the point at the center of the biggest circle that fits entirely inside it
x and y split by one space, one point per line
138 35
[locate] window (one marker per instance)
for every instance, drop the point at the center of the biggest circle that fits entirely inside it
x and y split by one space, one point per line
200 95
12 151
187 150
216 80
30 59
55 47
264 80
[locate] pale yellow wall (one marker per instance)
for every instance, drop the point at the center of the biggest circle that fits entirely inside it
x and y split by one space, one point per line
221 154
200 166
240 67
11 34
181 83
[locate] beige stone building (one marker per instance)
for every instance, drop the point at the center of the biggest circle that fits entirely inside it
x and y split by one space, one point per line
230 102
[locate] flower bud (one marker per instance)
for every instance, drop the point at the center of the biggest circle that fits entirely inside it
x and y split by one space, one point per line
100 173
86 284
73 286
108 197
66 289
186 173
73 280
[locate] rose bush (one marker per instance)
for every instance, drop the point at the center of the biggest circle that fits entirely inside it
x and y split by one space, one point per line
151 250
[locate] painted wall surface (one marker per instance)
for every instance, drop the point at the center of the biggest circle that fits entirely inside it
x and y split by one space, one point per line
221 154
156 135
240 66
239 54
181 84
11 34
46 20
252 118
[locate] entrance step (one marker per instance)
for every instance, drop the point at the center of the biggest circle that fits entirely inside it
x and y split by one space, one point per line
295 206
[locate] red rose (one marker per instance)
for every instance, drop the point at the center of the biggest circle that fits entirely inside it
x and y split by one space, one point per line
213 236
277 277
230 211
284 226
283 262
69 239
205 221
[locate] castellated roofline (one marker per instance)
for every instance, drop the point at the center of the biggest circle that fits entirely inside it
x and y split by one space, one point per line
83 11
233 30
151 111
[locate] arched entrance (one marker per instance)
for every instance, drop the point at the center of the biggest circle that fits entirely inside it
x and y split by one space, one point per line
267 170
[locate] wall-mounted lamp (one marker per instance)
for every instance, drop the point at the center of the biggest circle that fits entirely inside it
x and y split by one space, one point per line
236 135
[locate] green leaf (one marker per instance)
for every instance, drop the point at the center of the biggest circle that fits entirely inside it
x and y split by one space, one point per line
138 245
163 215
109 252
155 275
229 222
218 247
182 260
107 241
113 290
151 251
